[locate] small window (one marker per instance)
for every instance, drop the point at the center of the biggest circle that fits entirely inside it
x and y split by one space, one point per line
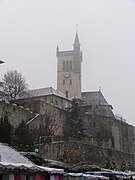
70 65
67 66
45 98
63 82
64 66
70 81
60 114
66 93
56 102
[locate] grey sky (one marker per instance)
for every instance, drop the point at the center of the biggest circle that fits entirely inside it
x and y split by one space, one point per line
31 29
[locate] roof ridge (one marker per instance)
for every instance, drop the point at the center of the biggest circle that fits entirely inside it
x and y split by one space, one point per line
39 88
91 91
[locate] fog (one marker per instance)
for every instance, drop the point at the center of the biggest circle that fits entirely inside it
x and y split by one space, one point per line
31 29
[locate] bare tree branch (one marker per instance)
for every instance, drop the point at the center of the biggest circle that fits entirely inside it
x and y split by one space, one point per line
12 85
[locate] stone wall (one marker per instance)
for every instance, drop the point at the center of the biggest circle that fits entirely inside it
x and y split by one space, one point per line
110 133
107 139
34 114
101 131
88 153
15 113
46 110
98 130
131 139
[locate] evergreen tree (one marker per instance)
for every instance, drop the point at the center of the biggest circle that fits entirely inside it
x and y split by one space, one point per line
75 121
5 130
24 138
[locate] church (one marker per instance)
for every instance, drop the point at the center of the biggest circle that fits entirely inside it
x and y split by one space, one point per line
106 136
69 78
69 83
69 70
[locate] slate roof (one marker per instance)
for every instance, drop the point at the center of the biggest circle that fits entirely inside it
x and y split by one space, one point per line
43 92
94 98
10 155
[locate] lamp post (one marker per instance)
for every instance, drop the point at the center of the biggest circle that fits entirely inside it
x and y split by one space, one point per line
1 62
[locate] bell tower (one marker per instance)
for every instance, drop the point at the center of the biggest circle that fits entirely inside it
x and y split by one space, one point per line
69 70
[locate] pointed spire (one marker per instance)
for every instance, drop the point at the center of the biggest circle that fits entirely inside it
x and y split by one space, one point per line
76 42
57 50
99 88
76 38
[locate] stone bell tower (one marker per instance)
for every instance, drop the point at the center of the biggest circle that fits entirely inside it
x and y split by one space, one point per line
69 70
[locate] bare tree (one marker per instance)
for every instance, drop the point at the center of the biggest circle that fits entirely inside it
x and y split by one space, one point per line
12 85
50 125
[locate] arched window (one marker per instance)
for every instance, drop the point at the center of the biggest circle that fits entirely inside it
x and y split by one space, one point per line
67 65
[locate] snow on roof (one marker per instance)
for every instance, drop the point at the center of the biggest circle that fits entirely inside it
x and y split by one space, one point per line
29 168
94 98
51 170
13 166
10 155
43 92
11 159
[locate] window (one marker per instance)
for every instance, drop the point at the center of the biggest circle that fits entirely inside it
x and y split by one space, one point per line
63 82
56 102
70 81
45 98
67 66
70 66
64 66
60 114
66 93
